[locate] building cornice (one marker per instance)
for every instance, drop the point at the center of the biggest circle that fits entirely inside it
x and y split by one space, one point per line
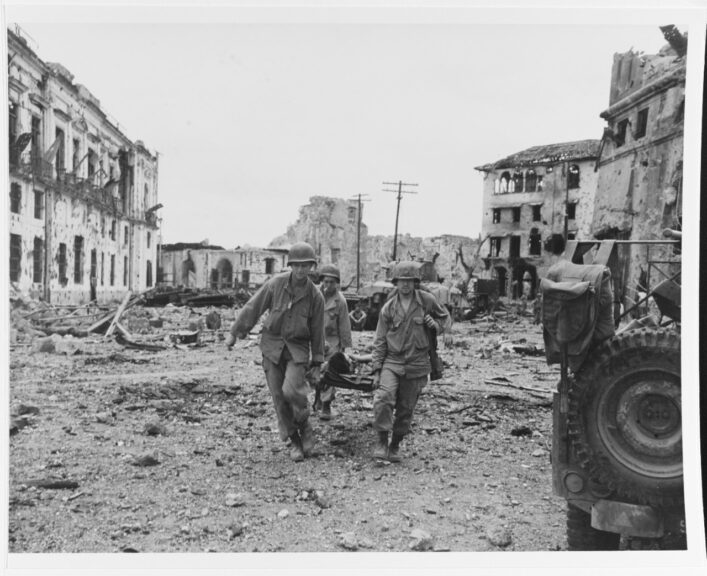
660 85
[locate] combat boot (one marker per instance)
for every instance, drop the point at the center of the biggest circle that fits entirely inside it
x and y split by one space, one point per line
307 436
326 411
380 452
296 453
394 448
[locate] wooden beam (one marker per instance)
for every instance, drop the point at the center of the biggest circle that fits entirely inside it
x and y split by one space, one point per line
120 310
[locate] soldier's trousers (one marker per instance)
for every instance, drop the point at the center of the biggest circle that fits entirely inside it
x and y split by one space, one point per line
394 402
289 389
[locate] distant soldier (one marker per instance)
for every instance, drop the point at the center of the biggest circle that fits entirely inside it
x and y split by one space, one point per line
337 327
294 325
401 360
358 317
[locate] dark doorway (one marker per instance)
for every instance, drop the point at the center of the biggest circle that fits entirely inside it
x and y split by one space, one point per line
502 278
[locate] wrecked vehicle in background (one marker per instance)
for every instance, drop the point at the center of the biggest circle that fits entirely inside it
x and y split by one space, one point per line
617 419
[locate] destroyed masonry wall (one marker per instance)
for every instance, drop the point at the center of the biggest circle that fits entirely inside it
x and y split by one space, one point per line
216 268
330 226
83 196
639 189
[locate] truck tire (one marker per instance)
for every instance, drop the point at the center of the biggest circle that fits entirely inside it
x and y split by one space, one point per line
581 535
625 416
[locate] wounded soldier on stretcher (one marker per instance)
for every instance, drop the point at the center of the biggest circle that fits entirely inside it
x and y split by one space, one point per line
345 371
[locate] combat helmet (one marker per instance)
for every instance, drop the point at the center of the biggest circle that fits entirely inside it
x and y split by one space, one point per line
301 252
331 271
406 270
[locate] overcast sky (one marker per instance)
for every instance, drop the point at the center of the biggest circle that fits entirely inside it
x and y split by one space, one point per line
251 119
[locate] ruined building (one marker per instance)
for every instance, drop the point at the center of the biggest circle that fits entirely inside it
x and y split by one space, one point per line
330 225
212 267
83 196
639 186
529 200
626 186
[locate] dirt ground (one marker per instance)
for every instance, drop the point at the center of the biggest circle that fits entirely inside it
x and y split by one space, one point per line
119 449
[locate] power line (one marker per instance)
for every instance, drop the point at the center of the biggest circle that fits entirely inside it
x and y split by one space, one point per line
400 193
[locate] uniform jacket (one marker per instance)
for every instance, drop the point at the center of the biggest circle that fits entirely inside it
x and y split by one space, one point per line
337 325
294 321
402 342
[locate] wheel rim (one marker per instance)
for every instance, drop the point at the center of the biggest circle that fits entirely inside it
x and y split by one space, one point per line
639 423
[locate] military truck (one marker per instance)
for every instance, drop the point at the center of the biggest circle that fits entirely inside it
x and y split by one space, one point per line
617 412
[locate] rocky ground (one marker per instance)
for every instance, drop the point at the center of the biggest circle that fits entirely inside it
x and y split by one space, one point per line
176 450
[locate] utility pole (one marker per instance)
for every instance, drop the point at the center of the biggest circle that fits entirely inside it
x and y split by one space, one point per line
359 198
400 192
567 196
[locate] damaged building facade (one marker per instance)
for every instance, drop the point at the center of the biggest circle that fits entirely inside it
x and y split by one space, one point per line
625 186
330 225
201 266
529 199
83 196
640 163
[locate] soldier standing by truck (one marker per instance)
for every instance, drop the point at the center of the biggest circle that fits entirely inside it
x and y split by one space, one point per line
401 356
337 328
294 326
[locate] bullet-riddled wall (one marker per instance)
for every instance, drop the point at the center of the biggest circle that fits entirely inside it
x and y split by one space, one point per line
83 197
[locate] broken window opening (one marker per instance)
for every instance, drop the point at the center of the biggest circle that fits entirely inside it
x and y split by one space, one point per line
94 267
270 265
15 257
496 215
15 198
38 204
126 233
146 198
505 180
37 260
148 275
352 213
621 130
63 279
149 239
112 230
103 268
531 181
540 184
516 213
518 181
573 176
571 235
534 243
36 137
112 269
12 130
496 186
125 270
78 259
335 255
495 246
571 210
641 123
59 160
537 216
91 162
514 248
76 156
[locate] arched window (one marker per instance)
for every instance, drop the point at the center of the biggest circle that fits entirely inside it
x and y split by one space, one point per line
531 179
518 182
505 180
573 176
